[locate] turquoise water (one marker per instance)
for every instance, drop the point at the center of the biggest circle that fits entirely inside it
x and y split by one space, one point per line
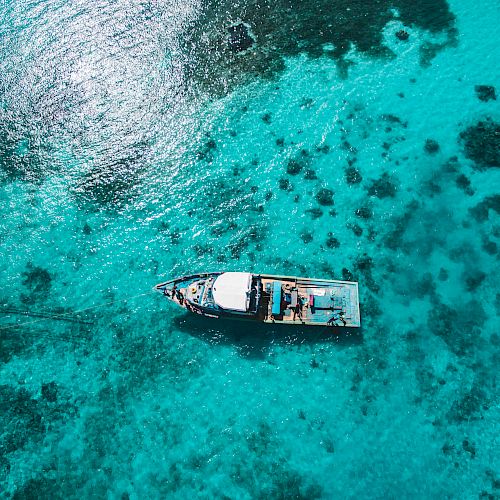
136 146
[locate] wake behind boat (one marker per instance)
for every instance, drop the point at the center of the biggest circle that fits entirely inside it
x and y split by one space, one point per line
267 298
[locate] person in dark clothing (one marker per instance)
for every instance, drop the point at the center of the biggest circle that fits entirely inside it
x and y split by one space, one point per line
298 309
337 317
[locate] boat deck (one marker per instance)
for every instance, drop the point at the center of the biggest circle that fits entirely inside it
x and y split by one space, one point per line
310 302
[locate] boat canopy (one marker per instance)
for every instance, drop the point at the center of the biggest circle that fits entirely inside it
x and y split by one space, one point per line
231 291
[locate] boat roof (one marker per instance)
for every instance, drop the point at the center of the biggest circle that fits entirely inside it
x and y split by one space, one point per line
231 291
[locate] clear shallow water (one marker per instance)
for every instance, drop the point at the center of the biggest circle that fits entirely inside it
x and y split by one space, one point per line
134 146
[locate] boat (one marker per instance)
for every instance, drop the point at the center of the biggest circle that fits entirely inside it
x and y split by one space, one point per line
266 298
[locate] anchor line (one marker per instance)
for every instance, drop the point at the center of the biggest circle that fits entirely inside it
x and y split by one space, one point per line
41 315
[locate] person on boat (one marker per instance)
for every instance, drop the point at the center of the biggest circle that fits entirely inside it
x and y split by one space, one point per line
298 309
178 295
336 317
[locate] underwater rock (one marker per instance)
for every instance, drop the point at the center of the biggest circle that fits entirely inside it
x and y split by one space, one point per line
463 182
324 197
352 175
21 419
364 212
211 59
332 242
240 38
294 167
356 229
364 264
4 468
266 118
428 51
346 274
39 488
431 146
395 120
431 188
424 286
306 103
49 392
280 142
443 274
402 35
315 213
306 236
473 279
490 247
285 185
469 406
325 149
37 279
451 165
310 175
482 144
384 187
485 92
480 212
458 329
347 146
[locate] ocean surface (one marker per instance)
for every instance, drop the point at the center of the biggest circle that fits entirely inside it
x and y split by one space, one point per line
348 139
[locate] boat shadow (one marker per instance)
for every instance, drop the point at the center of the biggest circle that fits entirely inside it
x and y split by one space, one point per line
255 339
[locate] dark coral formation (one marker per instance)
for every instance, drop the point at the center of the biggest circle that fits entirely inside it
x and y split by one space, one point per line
283 31
356 229
482 144
325 197
458 327
285 185
294 166
315 213
463 182
469 406
266 118
37 279
364 212
310 175
364 265
473 278
480 212
352 175
239 38
332 242
485 93
431 146
424 285
25 419
306 236
49 391
402 35
383 187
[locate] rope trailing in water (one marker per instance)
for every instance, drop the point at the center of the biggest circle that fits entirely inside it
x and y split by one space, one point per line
44 315
64 317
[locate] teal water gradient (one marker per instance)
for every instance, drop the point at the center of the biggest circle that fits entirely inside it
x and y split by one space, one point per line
120 169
